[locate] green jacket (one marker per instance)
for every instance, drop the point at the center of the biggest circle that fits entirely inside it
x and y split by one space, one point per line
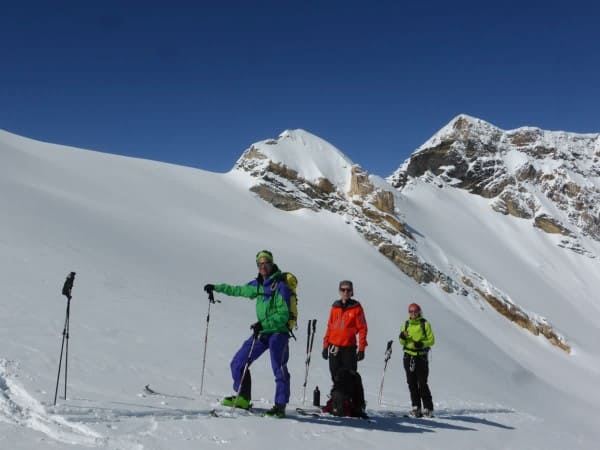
415 334
272 300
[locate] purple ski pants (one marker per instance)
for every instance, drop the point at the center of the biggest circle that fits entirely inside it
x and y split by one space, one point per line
277 344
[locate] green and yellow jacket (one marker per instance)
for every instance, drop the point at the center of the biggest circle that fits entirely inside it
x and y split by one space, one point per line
418 330
272 300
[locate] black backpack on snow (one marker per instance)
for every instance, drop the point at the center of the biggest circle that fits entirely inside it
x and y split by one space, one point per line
347 395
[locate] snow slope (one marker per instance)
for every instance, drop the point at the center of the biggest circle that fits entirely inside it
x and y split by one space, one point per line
144 237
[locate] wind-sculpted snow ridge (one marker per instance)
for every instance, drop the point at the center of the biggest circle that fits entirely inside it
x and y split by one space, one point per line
551 178
18 407
367 203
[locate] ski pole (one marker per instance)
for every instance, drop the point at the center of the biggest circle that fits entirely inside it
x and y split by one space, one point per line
237 394
306 362
388 355
66 291
310 337
211 300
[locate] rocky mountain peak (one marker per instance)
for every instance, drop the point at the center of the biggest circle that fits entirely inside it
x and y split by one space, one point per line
549 177
301 170
306 156
461 127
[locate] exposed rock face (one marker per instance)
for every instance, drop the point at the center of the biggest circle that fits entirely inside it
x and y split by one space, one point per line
518 203
501 303
408 262
519 170
550 225
276 198
359 183
519 317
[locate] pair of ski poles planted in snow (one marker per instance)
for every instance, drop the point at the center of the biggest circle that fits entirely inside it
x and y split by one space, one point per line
66 291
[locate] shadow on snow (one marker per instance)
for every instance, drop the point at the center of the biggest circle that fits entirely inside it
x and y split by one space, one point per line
378 421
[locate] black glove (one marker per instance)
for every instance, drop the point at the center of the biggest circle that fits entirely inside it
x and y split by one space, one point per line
403 335
360 355
418 344
325 353
209 288
256 329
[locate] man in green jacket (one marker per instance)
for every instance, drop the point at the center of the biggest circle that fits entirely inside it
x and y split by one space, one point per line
417 338
271 332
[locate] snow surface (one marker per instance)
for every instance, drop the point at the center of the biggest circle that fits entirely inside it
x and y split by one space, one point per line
144 237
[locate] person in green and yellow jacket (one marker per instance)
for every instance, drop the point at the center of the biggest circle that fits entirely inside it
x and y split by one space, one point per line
271 332
416 337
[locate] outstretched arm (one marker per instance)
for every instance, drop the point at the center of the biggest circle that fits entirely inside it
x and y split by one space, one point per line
245 290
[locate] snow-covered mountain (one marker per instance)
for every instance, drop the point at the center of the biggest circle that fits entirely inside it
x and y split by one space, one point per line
145 236
547 177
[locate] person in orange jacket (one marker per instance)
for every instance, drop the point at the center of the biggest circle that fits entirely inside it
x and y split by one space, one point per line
346 321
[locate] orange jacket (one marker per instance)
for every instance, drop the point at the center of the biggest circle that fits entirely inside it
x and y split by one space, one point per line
345 322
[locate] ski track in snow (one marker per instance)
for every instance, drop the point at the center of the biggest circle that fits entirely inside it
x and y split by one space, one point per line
18 407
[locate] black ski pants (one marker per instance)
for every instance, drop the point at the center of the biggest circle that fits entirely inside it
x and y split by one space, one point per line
417 372
345 358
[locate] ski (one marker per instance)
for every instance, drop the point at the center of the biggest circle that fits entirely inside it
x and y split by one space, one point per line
215 412
317 413
149 391
407 415
252 412
412 416
311 412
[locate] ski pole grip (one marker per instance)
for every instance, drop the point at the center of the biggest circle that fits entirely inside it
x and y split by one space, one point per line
66 290
211 298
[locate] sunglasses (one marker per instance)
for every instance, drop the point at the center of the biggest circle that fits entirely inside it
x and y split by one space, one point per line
414 311
264 264
345 290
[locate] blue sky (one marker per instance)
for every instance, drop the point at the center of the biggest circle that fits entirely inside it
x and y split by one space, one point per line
195 83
